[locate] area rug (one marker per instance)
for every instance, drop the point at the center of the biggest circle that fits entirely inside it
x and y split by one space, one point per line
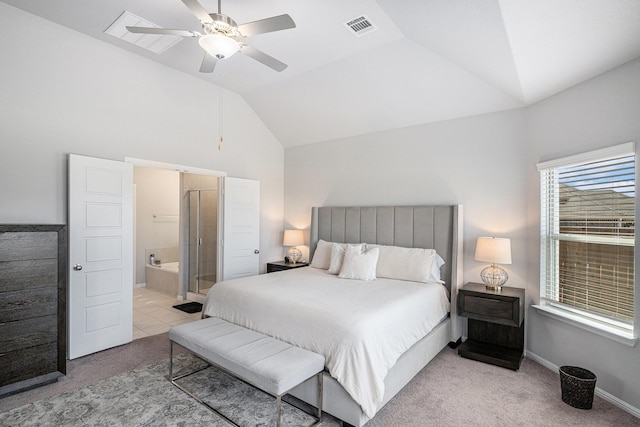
145 397
189 307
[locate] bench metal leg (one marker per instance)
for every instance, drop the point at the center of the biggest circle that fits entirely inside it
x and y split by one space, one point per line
278 407
170 359
320 392
211 408
193 396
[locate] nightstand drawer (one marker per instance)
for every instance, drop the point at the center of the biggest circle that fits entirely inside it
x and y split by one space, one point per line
505 307
272 267
485 307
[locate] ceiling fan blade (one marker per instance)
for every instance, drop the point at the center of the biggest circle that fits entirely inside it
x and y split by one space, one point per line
163 31
262 57
197 9
208 63
267 25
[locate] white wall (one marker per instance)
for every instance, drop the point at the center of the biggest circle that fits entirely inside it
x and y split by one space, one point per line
63 92
157 193
601 112
478 162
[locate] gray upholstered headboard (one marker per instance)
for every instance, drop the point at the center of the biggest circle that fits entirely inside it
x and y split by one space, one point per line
432 227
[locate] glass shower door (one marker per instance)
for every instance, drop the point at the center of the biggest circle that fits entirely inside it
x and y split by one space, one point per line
203 239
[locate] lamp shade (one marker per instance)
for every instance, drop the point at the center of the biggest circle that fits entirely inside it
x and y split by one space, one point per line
495 250
218 45
293 238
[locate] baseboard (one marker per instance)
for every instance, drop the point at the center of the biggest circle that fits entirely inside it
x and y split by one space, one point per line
544 362
140 285
598 391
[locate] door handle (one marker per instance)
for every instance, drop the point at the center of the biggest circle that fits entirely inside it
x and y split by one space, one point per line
77 267
257 251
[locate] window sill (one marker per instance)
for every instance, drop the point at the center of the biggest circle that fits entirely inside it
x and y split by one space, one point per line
605 331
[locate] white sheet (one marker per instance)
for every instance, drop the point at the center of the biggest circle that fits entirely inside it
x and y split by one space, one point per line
360 327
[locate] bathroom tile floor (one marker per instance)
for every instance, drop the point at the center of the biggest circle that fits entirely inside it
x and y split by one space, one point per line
153 313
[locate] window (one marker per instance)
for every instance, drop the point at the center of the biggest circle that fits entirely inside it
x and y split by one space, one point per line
587 235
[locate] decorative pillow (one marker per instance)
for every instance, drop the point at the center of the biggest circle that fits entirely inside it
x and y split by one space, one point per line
413 264
359 265
322 255
337 256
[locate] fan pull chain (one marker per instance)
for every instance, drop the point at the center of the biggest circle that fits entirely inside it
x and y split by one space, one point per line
220 120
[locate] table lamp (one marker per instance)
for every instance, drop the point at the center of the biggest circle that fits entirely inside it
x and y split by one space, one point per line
495 250
293 238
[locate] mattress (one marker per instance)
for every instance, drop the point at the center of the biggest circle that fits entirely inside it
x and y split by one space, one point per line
360 327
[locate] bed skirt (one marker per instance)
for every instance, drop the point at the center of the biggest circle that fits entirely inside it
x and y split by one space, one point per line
336 400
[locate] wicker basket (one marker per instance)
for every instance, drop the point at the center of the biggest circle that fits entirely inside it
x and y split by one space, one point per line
578 385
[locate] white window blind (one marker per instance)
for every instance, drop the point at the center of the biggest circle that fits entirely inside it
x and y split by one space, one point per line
587 234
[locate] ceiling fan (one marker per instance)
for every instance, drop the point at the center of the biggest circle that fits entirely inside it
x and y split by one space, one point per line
223 37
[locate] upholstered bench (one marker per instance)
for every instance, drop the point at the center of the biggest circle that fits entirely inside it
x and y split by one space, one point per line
266 363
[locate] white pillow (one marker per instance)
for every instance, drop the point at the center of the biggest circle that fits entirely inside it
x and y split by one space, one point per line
359 265
322 255
413 264
438 262
337 256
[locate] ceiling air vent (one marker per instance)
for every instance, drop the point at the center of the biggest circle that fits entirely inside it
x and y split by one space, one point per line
153 42
361 25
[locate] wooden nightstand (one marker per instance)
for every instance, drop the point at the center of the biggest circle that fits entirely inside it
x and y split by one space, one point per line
281 265
495 324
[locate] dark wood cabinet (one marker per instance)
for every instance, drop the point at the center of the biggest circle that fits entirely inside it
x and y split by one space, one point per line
281 265
33 286
495 324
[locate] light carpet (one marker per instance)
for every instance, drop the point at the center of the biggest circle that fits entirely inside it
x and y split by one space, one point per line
450 391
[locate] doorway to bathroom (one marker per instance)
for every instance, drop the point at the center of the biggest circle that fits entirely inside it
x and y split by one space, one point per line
176 219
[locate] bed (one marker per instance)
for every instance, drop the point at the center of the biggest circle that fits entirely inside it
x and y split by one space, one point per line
375 335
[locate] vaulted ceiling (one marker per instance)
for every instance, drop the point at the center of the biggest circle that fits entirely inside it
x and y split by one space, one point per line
426 61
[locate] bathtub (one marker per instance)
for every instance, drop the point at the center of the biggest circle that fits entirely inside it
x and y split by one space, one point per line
164 277
173 267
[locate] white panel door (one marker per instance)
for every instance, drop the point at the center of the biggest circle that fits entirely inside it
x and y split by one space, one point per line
241 241
100 254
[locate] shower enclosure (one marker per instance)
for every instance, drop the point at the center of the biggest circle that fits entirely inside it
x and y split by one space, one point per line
203 240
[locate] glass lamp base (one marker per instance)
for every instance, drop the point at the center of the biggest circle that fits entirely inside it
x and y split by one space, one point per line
494 277
294 255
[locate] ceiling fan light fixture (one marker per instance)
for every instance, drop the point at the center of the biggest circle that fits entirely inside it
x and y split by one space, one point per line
218 45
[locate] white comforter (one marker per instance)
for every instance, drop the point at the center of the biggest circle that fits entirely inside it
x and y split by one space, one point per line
360 327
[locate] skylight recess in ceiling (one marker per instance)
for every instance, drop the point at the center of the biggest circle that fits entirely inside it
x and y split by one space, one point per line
361 25
152 42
